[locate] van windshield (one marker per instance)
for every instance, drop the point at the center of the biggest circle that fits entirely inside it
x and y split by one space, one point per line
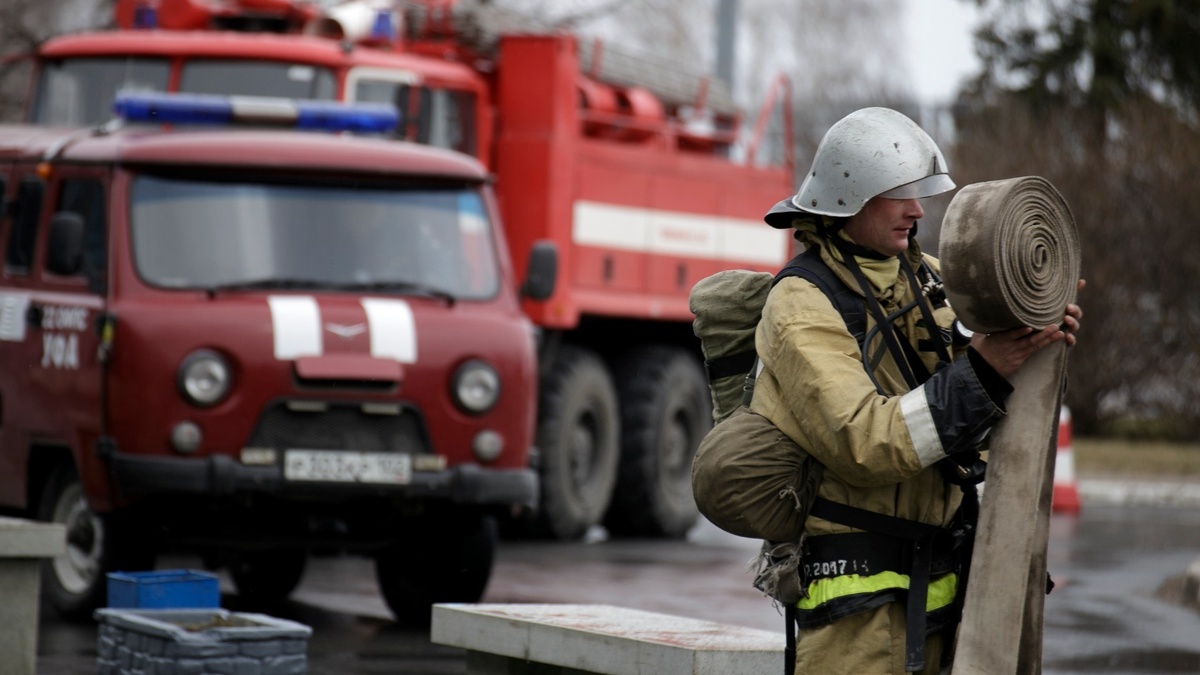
234 234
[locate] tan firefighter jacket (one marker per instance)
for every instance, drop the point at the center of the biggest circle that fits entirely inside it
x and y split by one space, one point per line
879 450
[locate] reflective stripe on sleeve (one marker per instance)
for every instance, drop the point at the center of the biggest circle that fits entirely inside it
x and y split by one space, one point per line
921 428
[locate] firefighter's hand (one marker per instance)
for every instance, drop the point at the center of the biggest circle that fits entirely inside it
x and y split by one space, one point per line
1006 351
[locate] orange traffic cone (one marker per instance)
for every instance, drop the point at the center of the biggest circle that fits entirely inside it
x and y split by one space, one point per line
1066 491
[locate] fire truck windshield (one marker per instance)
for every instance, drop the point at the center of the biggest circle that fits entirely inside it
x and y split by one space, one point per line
238 234
77 92
80 91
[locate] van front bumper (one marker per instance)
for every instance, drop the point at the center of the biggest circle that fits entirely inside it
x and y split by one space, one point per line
468 484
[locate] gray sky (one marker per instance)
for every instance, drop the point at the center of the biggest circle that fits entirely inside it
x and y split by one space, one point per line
941 52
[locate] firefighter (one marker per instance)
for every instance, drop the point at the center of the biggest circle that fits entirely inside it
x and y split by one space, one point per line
898 431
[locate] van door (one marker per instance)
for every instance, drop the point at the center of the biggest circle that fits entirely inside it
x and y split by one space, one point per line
62 399
24 194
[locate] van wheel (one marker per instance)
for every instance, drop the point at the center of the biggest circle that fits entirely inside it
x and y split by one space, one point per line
76 582
445 561
267 577
665 413
578 435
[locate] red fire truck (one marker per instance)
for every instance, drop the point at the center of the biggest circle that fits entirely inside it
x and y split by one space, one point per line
257 343
623 164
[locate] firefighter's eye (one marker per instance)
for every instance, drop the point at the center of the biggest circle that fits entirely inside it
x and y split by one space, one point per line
204 378
476 387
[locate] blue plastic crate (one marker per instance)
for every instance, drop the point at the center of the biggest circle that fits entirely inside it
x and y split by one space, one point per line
163 589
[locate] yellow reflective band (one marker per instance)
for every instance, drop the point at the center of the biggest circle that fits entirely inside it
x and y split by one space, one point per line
941 592
821 591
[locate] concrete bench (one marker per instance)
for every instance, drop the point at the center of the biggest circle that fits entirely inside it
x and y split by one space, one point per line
23 545
517 639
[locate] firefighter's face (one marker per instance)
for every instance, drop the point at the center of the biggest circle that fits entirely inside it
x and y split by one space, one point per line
883 224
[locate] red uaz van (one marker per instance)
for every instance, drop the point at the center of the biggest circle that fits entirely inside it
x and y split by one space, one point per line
257 344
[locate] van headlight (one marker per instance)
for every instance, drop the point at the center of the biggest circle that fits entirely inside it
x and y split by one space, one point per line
204 378
476 387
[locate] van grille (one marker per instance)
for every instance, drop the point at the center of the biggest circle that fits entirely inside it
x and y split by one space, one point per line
341 426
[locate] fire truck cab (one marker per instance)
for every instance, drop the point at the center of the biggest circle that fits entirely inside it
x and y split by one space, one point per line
255 344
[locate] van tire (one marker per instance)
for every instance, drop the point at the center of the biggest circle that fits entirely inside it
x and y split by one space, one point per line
267 577
577 439
442 561
665 413
76 582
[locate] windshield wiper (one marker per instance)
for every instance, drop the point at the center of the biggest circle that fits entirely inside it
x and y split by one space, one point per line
402 287
265 284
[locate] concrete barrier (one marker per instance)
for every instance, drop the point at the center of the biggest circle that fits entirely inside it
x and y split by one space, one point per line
516 639
205 640
23 545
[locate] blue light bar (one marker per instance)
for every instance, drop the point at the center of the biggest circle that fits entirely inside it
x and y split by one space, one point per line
332 116
160 107
383 29
151 106
145 17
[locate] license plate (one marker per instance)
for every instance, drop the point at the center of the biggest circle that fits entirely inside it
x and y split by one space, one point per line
347 466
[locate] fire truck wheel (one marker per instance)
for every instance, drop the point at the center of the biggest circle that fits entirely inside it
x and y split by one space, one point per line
266 577
578 436
76 582
445 561
665 412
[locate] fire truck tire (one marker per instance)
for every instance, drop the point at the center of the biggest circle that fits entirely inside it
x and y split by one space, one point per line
578 437
443 562
665 412
76 582
268 576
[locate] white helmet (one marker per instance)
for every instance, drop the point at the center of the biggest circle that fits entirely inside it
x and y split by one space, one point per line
869 153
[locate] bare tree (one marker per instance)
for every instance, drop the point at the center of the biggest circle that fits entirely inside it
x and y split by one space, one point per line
1136 370
24 25
1099 96
676 29
838 54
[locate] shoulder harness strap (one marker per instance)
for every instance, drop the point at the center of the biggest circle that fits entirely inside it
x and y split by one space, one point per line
809 265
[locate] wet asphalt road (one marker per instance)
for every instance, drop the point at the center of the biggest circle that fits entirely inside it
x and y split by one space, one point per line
1114 609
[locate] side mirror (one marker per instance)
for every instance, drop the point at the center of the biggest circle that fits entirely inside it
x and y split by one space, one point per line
542 272
65 251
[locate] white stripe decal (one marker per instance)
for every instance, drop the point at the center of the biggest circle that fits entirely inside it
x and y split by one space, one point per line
296 321
921 428
629 228
610 226
393 330
13 308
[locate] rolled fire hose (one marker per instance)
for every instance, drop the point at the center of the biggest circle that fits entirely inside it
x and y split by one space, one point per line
1010 258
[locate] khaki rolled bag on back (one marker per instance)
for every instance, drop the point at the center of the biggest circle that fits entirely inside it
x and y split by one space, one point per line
748 477
744 464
